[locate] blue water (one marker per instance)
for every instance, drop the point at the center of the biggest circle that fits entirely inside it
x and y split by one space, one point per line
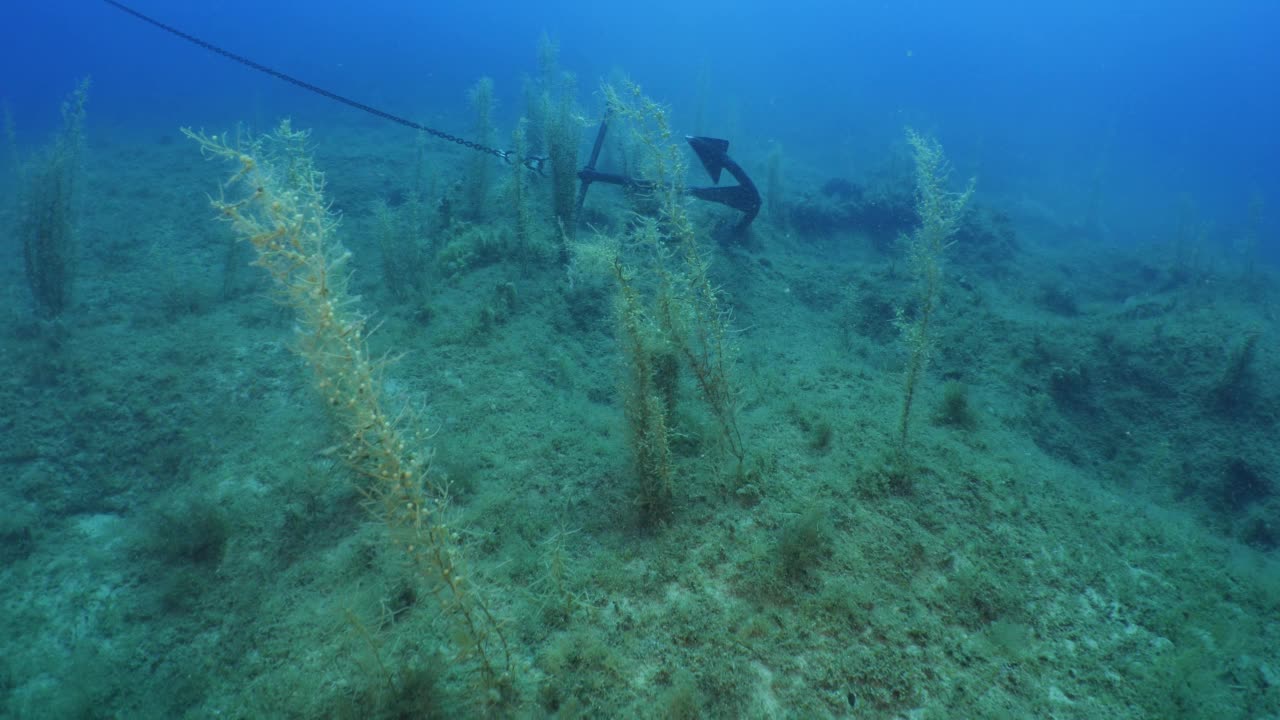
1151 99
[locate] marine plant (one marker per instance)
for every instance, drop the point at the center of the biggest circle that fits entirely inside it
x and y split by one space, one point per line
673 316
47 224
275 201
479 169
940 212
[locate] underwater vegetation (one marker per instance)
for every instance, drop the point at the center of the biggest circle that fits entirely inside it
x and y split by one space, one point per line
467 448
49 204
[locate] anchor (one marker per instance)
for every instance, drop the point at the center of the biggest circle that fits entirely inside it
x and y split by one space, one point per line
714 156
